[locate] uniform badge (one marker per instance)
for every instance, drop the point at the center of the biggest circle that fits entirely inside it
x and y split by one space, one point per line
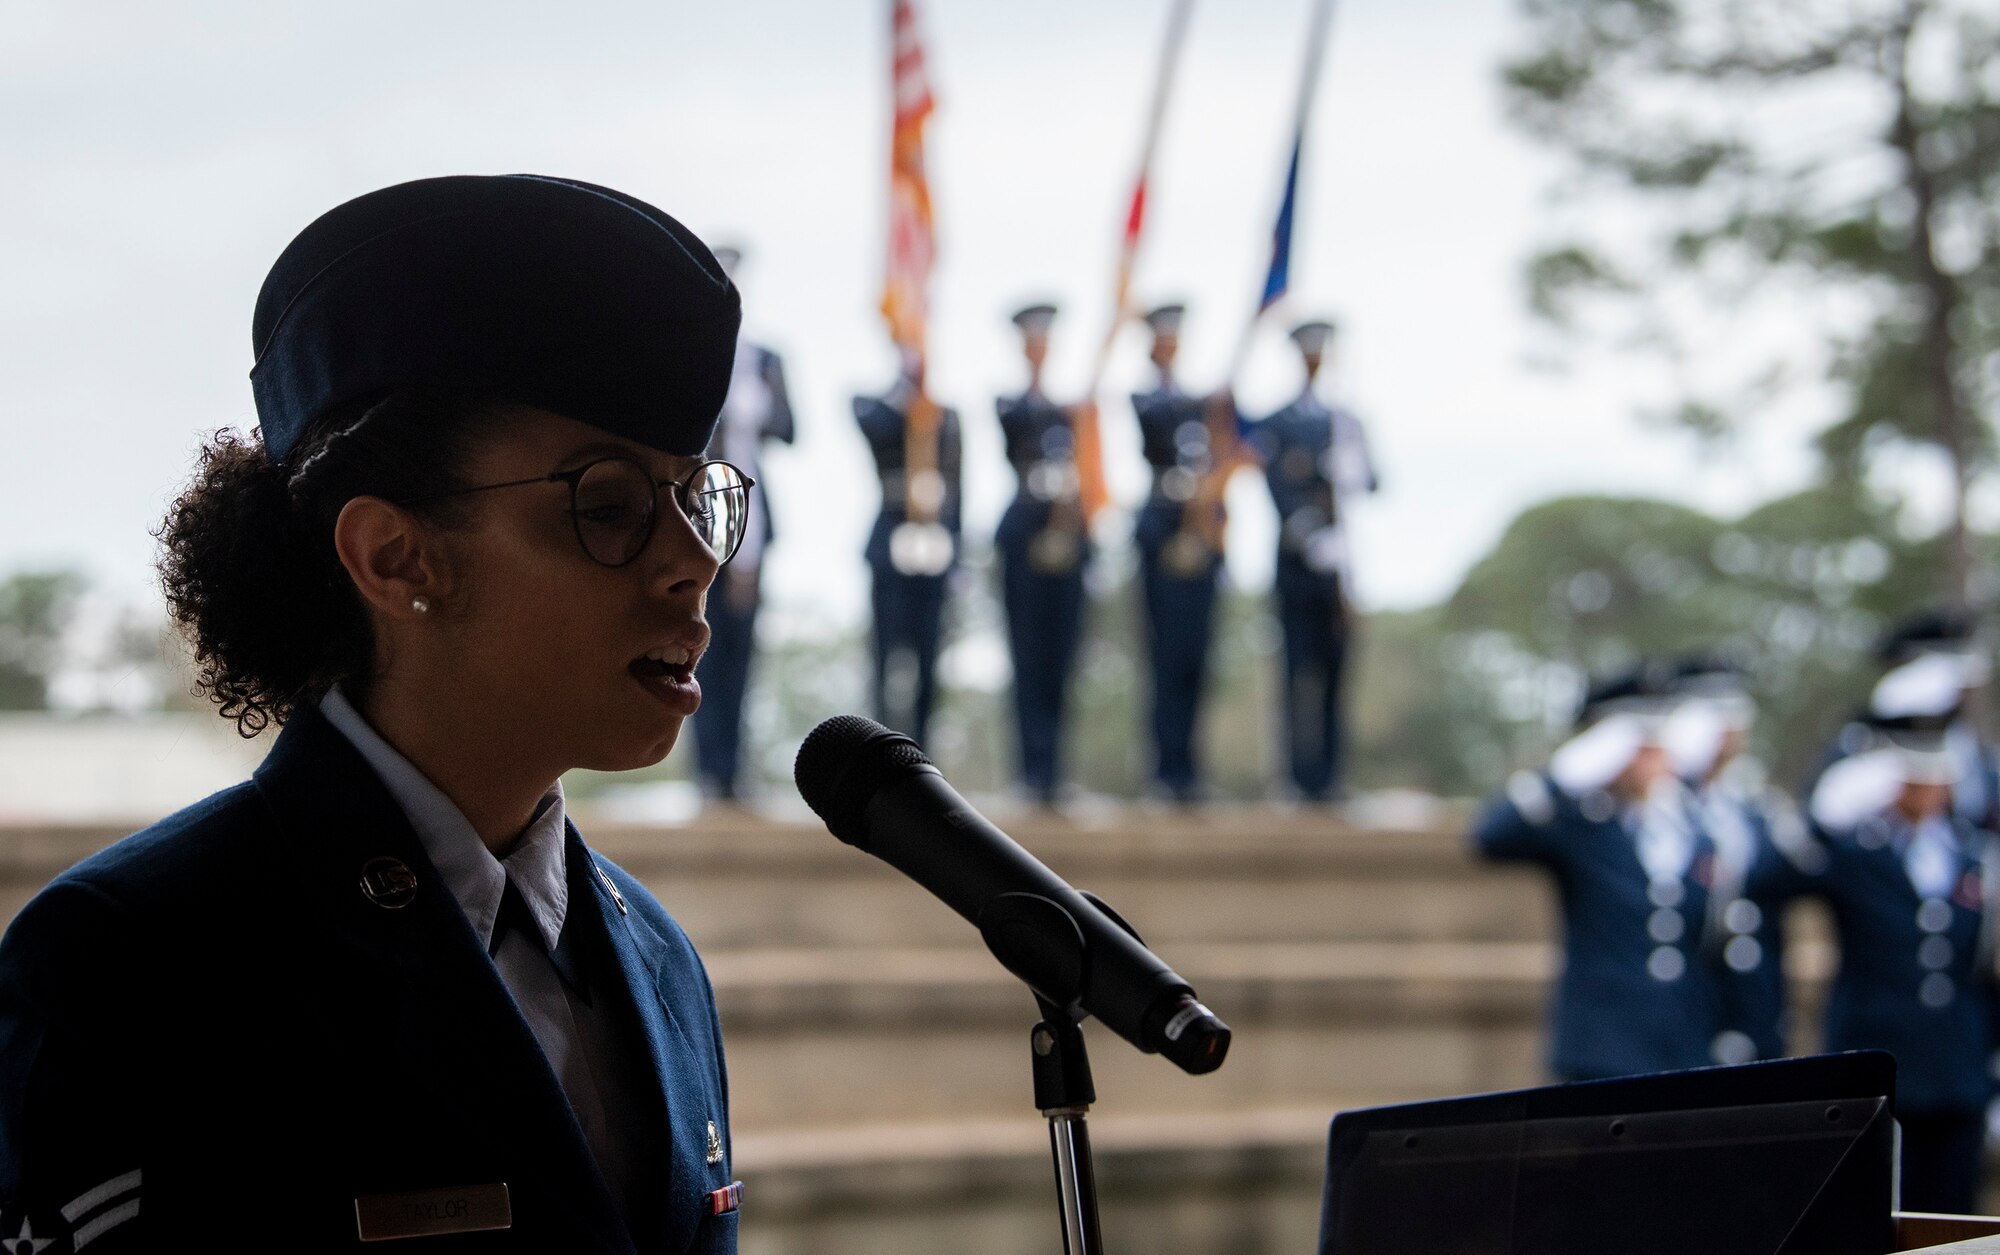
617 898
725 1200
425 1213
714 1143
388 883
24 1242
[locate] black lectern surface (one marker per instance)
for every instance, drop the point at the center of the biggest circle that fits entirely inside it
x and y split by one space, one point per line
1794 1157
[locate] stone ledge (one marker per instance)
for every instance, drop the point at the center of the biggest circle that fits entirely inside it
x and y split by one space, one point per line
1388 983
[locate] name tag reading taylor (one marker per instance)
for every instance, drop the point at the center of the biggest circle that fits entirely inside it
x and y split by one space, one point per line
422 1213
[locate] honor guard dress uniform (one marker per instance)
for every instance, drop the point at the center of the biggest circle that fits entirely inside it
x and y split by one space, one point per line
911 559
1042 546
1912 898
1765 859
1179 571
1316 461
1633 878
759 409
315 1010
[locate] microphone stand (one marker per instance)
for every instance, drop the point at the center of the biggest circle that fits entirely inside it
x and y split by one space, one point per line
1063 1094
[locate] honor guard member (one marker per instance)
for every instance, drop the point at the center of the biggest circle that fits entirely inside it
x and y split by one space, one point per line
1911 885
1632 868
913 547
1180 562
759 409
1939 654
1764 857
1042 548
384 989
1316 461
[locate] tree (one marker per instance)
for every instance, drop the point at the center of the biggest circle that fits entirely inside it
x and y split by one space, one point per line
36 609
1768 162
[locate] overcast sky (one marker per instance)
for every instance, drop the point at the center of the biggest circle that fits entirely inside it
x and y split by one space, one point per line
159 156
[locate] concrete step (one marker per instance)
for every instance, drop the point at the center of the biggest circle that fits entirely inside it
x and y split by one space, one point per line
838 1037
1237 1183
739 881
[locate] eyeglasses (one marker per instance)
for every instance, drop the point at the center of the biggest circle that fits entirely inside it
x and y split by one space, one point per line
614 504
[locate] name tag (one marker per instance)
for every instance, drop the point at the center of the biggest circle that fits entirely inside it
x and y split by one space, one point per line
422 1213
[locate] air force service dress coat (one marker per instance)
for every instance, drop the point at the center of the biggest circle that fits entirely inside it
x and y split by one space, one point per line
1916 945
1765 861
212 1038
1634 994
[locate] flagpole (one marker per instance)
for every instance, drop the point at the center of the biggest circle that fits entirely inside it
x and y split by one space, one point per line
1316 41
1084 417
1163 80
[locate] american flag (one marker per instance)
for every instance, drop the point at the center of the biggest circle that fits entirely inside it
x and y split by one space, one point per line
912 241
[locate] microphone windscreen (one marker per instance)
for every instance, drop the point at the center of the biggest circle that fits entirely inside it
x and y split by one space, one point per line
843 763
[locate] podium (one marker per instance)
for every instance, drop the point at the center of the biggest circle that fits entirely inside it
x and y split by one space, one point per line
1794 1157
1947 1235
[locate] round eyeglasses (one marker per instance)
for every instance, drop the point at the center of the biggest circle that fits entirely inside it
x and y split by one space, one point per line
614 504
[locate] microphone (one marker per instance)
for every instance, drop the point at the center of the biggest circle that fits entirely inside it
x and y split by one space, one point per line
878 792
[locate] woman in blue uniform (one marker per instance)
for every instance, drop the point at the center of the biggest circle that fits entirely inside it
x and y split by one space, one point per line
1633 871
384 989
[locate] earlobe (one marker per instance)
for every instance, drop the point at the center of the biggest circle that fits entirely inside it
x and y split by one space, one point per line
386 553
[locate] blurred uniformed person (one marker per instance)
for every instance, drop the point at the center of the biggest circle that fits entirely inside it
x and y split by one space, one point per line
1911 884
1764 857
1938 653
1608 820
759 409
1180 562
1316 462
1042 546
911 554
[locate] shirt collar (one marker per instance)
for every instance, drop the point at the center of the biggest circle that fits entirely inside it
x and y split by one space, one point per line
476 879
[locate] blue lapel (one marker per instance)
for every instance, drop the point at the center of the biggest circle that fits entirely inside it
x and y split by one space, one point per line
676 1069
456 1024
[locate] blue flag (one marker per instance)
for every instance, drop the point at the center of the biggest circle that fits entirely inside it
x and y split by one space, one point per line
1280 277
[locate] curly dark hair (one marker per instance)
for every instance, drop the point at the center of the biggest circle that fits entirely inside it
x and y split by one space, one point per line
246 551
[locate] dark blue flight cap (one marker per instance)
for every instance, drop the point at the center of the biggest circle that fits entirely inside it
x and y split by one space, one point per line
1936 630
1646 688
548 292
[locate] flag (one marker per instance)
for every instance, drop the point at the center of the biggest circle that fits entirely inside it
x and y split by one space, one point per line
1279 278
1096 493
912 243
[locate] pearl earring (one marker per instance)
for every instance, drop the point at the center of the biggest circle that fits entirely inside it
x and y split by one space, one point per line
421 605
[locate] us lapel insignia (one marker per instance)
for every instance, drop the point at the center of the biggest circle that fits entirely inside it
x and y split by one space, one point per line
388 883
714 1144
616 896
